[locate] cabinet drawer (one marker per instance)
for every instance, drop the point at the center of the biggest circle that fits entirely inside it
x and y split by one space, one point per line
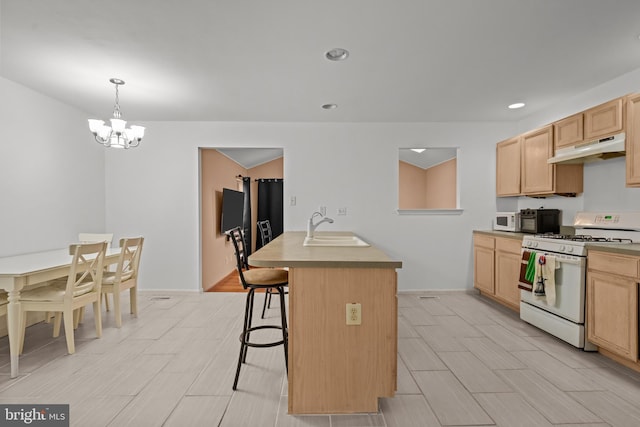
508 245
484 241
622 265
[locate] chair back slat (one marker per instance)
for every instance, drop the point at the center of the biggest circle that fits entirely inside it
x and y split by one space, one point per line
85 273
242 263
265 231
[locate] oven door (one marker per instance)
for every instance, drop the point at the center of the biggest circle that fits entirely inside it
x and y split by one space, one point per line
570 289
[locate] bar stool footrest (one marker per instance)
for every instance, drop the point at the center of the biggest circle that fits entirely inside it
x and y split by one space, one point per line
268 344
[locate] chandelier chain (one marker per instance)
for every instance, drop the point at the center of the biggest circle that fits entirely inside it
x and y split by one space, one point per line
116 107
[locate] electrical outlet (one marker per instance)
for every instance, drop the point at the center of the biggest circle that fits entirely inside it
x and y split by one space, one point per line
323 210
354 313
342 211
293 201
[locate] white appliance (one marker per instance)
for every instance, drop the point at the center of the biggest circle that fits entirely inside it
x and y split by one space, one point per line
603 148
507 221
566 318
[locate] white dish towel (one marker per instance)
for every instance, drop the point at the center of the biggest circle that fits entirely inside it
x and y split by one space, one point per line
548 272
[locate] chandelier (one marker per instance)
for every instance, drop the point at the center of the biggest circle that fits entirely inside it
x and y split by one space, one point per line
117 135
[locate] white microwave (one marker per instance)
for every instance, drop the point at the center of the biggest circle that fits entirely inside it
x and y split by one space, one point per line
507 221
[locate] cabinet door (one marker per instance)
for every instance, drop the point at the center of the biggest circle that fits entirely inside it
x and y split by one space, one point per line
537 174
483 263
508 167
507 275
603 120
568 132
612 314
633 141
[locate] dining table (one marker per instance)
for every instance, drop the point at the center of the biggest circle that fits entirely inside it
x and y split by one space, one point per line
27 271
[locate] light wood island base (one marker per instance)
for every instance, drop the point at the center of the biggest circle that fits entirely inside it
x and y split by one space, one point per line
334 367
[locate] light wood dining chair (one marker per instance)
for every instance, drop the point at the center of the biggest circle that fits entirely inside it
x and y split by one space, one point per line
90 238
87 238
124 277
81 287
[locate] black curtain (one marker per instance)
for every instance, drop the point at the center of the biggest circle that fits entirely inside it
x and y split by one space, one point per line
246 214
270 203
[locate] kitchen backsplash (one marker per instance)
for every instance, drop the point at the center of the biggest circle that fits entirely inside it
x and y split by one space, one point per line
604 190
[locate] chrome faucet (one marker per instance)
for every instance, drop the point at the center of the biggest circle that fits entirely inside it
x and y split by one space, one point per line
311 227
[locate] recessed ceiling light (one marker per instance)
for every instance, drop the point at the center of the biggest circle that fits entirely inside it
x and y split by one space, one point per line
337 54
516 105
418 150
329 106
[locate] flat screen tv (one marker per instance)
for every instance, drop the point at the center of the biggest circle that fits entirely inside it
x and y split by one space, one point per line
232 209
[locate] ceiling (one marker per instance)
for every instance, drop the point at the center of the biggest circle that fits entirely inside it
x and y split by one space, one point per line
428 158
252 157
256 60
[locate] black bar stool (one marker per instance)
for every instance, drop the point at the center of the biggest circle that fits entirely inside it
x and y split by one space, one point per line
264 228
252 279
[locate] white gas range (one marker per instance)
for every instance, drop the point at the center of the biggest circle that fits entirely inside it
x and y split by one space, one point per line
565 318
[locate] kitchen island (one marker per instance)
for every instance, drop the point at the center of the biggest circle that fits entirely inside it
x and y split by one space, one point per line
335 367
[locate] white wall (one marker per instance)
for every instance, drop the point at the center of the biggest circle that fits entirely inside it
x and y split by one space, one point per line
51 173
153 190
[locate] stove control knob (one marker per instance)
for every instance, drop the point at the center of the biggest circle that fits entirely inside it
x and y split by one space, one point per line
561 248
535 244
570 249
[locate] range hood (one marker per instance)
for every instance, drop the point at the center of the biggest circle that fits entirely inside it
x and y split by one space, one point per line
600 149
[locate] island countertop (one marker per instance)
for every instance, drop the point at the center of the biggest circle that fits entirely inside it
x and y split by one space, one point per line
287 251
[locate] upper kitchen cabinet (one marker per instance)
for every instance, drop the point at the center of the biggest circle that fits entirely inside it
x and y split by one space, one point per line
522 167
508 167
539 178
603 120
632 142
568 132
537 174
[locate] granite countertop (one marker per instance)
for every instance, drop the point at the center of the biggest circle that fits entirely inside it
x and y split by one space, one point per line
625 249
287 251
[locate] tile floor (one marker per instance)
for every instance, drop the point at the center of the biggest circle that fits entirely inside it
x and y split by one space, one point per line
462 360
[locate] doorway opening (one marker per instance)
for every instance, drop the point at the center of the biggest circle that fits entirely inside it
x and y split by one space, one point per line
229 168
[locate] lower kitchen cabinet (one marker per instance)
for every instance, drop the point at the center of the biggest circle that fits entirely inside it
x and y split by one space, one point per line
612 303
483 263
508 261
496 268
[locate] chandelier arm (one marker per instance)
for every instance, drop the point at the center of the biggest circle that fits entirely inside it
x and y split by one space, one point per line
100 140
